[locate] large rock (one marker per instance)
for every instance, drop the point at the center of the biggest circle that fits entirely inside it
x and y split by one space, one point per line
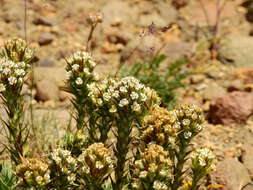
119 12
47 90
55 74
213 91
45 38
247 158
236 107
237 50
47 21
232 174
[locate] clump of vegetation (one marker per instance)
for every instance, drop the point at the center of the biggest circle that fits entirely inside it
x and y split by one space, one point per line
123 138
164 80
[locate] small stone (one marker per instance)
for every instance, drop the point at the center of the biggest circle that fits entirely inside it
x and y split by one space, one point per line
196 79
45 38
232 174
46 62
213 91
47 90
46 21
247 158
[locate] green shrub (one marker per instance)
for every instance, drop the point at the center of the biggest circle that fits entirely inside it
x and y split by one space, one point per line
163 80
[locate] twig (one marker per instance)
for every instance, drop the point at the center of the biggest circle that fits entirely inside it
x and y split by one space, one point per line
93 26
25 20
205 13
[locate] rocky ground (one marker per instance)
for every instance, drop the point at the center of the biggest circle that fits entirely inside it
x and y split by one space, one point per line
223 88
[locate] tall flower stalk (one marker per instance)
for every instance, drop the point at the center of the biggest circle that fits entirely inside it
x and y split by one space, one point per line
15 62
126 101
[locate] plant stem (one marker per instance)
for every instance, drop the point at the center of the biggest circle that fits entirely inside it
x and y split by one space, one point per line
178 168
123 140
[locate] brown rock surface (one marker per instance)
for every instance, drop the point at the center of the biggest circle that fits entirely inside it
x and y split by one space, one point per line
47 90
232 174
236 107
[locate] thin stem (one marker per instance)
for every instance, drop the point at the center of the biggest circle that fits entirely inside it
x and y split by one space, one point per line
25 20
90 37
205 12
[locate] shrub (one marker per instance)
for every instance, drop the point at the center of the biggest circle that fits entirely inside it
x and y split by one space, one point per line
164 80
150 148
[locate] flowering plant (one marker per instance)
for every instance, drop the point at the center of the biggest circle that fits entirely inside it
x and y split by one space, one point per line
15 62
150 144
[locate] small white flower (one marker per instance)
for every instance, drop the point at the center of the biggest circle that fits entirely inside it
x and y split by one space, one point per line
143 97
106 96
68 74
136 107
96 76
115 94
72 177
79 81
113 109
2 87
99 165
143 174
12 80
75 67
123 102
134 96
187 134
122 89
20 72
39 179
186 122
86 71
99 101
6 71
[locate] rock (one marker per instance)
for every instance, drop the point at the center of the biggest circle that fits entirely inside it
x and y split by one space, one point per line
235 107
115 36
235 85
249 14
47 90
247 158
177 50
167 11
232 174
46 21
237 50
45 38
213 91
198 78
119 12
46 62
180 3
57 75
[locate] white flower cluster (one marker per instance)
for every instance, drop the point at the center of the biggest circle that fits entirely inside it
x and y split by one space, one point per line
16 49
12 73
80 68
204 157
96 159
154 166
122 94
158 185
190 120
34 171
67 164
